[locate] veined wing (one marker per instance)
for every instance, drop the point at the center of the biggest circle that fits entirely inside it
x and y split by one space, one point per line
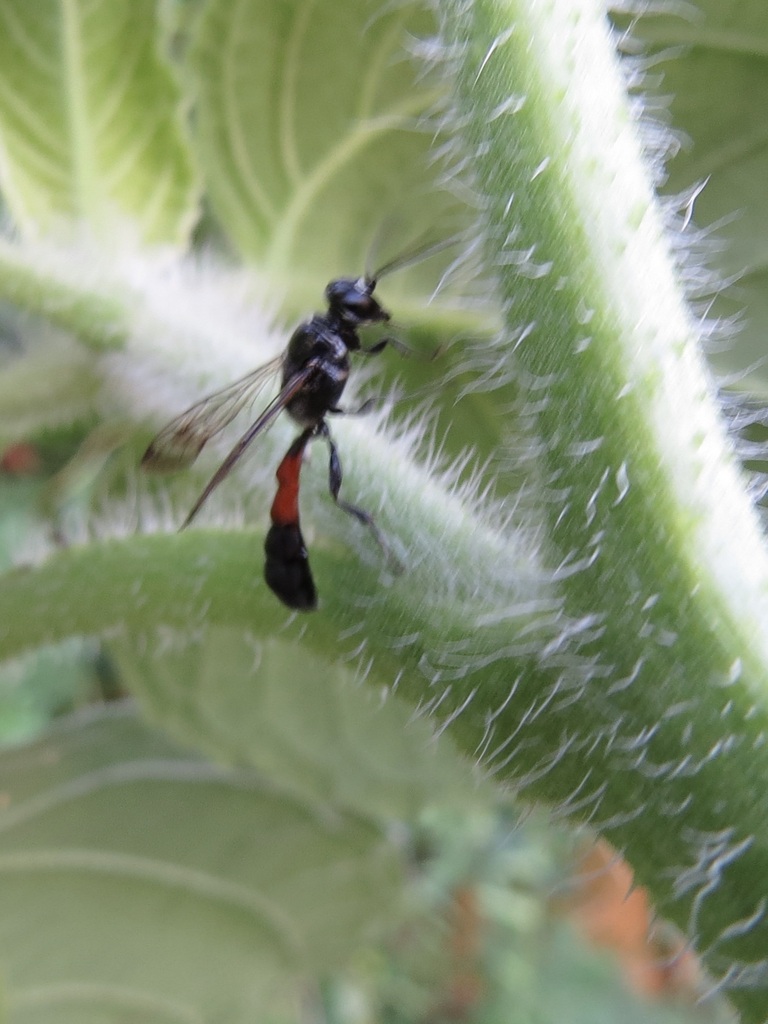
275 407
180 442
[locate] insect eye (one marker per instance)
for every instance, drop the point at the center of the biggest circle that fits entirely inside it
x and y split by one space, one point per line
346 292
351 299
361 305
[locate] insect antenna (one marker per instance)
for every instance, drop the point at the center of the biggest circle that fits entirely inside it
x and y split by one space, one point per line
413 256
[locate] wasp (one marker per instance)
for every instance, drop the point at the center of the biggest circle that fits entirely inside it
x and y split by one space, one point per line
313 374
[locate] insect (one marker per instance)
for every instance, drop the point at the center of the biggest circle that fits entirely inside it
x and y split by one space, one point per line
314 369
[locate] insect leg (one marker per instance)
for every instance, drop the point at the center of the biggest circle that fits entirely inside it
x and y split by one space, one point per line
286 568
334 485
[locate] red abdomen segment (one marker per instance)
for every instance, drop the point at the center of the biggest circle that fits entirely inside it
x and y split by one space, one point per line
285 507
286 569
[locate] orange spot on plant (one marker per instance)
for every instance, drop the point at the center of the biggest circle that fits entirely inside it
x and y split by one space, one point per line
617 915
20 459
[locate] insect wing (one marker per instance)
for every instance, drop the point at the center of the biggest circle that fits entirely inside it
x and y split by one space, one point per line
275 407
180 442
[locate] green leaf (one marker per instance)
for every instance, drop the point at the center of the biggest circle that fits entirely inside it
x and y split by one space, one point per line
138 880
711 69
49 682
90 119
299 719
312 131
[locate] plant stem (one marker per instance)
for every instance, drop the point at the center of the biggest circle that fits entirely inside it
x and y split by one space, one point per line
659 549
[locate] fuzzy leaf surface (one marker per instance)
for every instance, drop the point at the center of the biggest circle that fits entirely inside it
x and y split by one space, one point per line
90 120
307 166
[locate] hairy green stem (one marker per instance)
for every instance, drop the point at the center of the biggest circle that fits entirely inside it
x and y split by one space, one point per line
658 546
28 281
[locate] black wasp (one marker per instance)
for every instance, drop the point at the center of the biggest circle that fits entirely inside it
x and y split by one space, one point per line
314 370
